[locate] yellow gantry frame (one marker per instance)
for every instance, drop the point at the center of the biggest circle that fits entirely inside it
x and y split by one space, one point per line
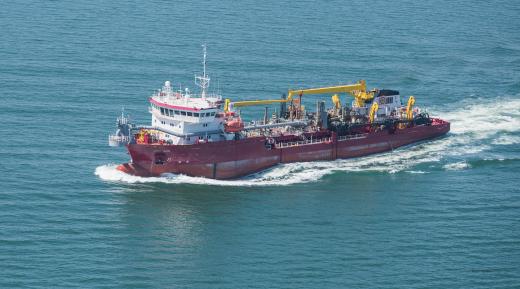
336 101
358 90
409 111
373 111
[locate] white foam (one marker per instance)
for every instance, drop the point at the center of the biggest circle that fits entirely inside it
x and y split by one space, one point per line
272 177
506 140
485 116
416 172
457 166
472 132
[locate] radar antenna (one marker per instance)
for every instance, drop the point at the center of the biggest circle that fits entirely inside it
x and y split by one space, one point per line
203 81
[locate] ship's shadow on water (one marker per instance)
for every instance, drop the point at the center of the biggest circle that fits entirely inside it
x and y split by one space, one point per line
201 199
194 216
190 223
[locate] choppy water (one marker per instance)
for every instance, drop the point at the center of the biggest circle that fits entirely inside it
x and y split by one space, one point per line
441 214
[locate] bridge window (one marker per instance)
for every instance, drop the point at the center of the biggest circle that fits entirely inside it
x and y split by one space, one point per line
196 114
208 114
177 112
213 114
183 113
386 100
190 114
162 111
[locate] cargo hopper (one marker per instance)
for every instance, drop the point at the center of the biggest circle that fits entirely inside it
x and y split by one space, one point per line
204 135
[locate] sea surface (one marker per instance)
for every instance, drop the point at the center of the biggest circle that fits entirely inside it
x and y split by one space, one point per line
440 214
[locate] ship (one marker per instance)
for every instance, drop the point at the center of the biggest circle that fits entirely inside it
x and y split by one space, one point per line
205 135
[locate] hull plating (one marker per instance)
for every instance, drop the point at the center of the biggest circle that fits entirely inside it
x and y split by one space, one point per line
232 159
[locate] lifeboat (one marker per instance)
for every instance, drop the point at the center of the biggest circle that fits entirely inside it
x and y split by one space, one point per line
234 125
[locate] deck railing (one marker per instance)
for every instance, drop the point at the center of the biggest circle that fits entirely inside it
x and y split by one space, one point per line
355 136
319 140
303 142
118 140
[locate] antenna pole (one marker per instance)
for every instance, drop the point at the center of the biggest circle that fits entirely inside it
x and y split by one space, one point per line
203 81
204 78
204 61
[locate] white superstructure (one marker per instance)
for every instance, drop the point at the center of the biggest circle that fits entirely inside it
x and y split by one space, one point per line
181 117
389 105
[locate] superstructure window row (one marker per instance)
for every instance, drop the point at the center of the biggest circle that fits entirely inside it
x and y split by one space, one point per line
172 112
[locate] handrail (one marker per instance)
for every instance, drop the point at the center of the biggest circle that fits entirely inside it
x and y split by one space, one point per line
302 142
356 136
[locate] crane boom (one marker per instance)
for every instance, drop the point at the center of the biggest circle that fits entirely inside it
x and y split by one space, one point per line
228 105
358 90
257 102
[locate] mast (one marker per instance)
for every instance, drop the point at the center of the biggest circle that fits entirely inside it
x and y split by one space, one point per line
203 81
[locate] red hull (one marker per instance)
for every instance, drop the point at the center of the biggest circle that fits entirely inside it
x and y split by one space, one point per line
232 159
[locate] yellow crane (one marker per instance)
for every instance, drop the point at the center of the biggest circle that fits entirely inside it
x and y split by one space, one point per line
373 111
357 90
409 106
336 101
228 103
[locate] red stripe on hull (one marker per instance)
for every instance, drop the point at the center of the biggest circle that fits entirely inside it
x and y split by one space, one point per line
236 158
